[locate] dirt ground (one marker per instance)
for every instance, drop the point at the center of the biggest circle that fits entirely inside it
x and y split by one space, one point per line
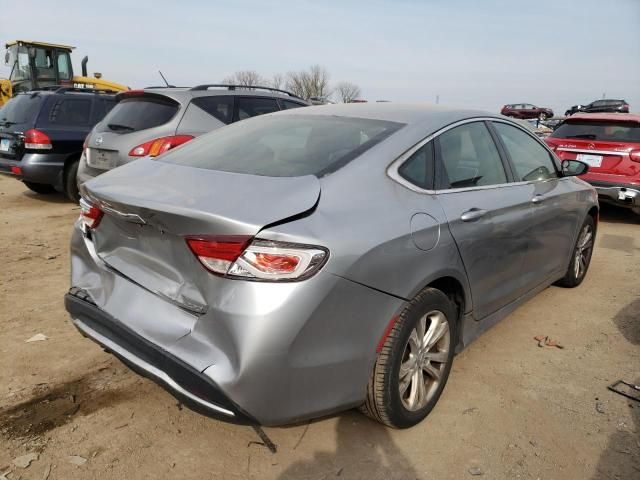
511 409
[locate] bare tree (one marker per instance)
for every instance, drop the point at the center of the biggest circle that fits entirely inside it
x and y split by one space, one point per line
246 78
347 91
277 81
313 82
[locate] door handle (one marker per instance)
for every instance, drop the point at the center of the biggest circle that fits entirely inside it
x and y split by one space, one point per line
473 214
537 199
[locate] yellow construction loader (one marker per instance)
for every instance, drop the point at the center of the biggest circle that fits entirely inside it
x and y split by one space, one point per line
36 65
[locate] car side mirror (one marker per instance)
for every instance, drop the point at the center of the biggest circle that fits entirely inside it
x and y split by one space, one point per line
573 168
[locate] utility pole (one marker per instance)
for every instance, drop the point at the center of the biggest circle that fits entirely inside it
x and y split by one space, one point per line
437 99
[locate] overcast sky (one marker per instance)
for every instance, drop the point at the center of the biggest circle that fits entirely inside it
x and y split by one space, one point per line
478 54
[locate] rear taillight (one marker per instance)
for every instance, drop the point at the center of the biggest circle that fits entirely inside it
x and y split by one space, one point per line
551 144
90 215
153 148
634 155
36 140
242 257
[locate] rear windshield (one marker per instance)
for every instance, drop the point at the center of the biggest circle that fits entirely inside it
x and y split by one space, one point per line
20 109
284 145
604 131
133 114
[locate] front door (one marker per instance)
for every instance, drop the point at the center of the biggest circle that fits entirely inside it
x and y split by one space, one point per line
488 215
552 204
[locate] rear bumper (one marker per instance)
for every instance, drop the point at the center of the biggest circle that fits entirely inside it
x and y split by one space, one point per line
44 168
279 352
625 195
189 386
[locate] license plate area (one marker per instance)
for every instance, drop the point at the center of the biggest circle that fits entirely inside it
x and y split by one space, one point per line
5 144
101 159
591 160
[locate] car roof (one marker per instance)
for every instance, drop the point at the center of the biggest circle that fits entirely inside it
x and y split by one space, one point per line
187 93
606 117
60 90
407 113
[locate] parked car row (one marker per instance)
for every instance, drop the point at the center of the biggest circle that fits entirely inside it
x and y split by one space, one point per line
526 111
244 270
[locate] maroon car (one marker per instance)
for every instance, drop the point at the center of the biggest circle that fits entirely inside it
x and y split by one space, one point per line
526 110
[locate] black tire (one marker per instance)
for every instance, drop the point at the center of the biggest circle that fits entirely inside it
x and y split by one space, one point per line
40 187
582 252
70 182
384 402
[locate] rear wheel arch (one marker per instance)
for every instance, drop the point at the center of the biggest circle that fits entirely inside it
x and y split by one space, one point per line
594 213
454 290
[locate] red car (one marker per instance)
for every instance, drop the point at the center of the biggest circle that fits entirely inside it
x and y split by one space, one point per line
526 111
610 144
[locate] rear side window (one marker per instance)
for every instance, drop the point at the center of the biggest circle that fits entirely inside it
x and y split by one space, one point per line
134 114
283 146
604 131
71 111
470 158
531 160
287 104
251 107
220 107
418 169
20 109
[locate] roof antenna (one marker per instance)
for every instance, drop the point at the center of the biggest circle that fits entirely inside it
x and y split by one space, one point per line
165 80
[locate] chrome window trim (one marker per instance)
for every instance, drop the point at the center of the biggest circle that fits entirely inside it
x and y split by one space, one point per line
393 173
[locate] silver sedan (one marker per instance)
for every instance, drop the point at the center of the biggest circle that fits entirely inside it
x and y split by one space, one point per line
305 262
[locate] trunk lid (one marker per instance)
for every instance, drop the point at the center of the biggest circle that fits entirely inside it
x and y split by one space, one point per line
151 206
602 157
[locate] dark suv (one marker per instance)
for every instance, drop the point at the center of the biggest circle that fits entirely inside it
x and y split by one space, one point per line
600 106
526 111
148 122
42 134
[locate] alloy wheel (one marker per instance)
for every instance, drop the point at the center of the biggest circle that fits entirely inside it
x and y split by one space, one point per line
424 360
583 251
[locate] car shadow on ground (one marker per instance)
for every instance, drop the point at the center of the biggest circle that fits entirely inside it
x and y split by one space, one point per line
613 214
621 458
364 450
55 197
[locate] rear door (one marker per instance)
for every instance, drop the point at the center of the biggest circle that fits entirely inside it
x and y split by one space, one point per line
247 107
488 214
206 113
68 121
553 203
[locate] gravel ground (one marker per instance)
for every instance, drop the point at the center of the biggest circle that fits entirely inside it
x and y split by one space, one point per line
511 409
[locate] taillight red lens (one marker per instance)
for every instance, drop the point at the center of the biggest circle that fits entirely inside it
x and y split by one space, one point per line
156 147
218 252
90 214
37 140
634 155
255 259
